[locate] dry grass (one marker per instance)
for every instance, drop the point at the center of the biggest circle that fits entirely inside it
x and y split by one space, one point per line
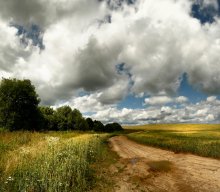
54 161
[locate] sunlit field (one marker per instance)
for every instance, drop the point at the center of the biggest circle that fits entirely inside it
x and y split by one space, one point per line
200 139
57 161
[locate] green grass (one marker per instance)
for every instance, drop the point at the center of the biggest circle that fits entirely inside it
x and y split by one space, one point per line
199 139
49 161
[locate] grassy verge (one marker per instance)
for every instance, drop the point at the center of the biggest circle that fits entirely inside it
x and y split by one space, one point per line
49 162
104 178
203 140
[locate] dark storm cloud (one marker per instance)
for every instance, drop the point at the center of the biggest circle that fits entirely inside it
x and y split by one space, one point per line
93 68
23 11
43 12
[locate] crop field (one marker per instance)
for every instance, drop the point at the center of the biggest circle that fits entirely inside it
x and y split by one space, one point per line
199 139
48 161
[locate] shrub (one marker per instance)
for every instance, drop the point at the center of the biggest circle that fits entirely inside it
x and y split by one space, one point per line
111 127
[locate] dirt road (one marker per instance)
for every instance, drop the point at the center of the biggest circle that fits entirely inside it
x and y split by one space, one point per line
143 168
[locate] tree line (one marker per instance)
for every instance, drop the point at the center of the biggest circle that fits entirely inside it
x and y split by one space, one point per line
20 110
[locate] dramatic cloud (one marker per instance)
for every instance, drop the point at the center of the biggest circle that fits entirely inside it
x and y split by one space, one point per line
202 112
161 100
88 103
45 13
10 49
110 49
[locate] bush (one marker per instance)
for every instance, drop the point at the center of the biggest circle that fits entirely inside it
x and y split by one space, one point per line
111 127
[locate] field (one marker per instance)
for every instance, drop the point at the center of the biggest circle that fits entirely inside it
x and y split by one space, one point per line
56 161
199 139
82 161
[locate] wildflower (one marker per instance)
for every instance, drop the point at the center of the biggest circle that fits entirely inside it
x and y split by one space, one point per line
10 178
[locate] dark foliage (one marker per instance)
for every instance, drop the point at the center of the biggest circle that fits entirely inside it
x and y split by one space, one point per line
19 105
111 127
49 119
90 123
98 126
19 111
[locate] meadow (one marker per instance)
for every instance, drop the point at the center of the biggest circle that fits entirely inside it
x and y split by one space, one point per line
53 161
199 139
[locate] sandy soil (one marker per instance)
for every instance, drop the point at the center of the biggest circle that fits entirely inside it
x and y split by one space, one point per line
141 168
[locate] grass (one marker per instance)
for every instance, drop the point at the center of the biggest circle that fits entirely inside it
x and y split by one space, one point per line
105 179
199 139
49 161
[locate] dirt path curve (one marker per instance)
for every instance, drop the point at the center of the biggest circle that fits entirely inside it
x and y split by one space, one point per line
144 168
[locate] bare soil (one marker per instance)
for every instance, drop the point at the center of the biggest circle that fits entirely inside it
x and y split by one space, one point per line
142 168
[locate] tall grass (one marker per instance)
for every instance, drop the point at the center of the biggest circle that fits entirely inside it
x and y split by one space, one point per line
53 164
11 141
203 140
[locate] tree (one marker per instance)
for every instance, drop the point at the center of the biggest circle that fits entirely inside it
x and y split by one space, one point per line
111 127
19 105
65 118
49 119
77 117
98 126
90 123
83 125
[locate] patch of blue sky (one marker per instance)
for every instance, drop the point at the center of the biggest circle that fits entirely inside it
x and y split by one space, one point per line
33 33
205 14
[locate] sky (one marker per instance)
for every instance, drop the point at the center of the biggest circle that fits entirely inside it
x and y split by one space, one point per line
129 61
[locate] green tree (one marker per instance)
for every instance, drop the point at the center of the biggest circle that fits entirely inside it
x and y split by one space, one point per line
90 123
49 119
83 125
111 127
98 126
19 105
77 116
65 118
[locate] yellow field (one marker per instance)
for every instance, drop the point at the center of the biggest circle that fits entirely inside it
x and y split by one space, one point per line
175 127
200 139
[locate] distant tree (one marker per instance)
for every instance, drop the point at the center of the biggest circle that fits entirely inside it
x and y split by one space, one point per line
19 105
49 119
90 123
83 125
98 126
65 118
111 127
78 120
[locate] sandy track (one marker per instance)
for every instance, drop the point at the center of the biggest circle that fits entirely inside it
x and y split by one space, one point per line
188 173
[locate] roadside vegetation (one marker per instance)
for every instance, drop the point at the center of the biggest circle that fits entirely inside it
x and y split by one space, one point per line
199 139
50 162
45 149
